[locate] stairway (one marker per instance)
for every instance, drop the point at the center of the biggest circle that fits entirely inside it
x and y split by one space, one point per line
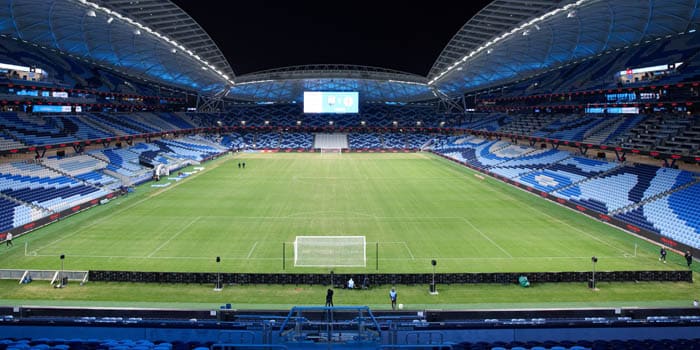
334 140
652 198
600 132
603 174
32 205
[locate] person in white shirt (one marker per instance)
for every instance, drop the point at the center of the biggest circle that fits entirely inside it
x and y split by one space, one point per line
8 240
351 284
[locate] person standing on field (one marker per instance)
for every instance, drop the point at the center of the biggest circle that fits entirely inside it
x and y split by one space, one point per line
329 297
662 254
392 296
8 240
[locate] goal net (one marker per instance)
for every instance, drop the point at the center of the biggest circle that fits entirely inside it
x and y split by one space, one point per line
331 150
329 251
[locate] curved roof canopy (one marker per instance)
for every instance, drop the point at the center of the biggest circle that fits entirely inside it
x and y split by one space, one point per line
151 39
506 41
498 17
373 84
567 33
168 19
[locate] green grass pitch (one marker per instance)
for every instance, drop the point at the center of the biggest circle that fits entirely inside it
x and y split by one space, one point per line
414 207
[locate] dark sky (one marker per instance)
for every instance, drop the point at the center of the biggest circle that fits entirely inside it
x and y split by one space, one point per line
262 34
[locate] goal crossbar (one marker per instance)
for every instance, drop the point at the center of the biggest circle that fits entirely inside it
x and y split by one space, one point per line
330 251
332 150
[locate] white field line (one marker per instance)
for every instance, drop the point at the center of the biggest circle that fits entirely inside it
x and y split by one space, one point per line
487 237
490 188
510 259
120 209
383 259
155 257
409 251
250 253
174 236
587 234
412 258
318 215
590 235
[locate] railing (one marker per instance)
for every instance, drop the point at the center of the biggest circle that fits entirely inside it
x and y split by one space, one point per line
44 275
327 324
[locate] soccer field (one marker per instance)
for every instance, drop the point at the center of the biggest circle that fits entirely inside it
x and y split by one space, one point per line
411 208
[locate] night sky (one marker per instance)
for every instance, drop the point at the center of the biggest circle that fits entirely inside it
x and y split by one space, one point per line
256 35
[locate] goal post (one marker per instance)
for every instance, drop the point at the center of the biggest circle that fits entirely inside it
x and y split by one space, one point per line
330 251
332 150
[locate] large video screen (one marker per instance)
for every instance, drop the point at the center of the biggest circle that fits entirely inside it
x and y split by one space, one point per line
55 109
331 102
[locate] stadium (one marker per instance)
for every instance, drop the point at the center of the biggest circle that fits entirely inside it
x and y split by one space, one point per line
536 188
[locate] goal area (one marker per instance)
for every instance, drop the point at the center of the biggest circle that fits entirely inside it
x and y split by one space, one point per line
330 251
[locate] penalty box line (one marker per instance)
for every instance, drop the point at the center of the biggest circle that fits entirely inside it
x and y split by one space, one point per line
117 211
155 257
249 256
408 249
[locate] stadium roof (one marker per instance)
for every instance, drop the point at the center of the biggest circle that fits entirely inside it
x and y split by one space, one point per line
150 39
510 40
497 18
169 20
506 41
373 84
566 33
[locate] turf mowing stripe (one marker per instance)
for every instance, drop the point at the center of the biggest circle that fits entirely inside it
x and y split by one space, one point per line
526 203
121 209
174 236
587 234
487 237
530 206
385 212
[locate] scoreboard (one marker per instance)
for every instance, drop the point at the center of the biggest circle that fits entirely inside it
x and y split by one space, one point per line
331 102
